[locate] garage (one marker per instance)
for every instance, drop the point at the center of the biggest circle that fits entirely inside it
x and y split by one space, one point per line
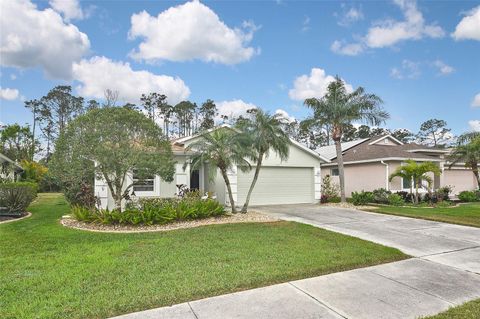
460 179
277 185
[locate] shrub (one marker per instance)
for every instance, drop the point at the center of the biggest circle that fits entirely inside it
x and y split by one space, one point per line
468 196
15 197
395 200
443 193
362 198
149 211
380 195
406 196
330 191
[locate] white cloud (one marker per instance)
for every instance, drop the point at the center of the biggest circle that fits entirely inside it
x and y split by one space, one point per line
191 31
340 47
70 9
386 33
233 108
100 73
476 101
474 125
408 70
306 24
8 94
443 68
349 16
34 38
313 85
389 32
469 26
285 116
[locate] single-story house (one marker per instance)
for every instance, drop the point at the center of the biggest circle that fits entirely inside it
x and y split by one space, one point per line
9 169
369 162
295 180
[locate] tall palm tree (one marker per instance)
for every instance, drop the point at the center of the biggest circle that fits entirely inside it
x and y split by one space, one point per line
467 151
339 108
416 173
266 134
222 148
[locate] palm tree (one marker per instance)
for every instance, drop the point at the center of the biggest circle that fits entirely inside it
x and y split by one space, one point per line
223 149
266 134
467 151
339 108
416 173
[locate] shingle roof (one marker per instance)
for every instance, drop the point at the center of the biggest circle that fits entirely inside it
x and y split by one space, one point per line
330 152
362 151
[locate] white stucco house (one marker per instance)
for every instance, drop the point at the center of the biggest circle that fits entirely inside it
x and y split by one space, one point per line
296 180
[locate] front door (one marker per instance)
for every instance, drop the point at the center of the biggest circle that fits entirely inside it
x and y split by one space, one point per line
195 180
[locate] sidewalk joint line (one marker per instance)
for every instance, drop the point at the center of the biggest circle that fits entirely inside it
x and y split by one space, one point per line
193 311
450 251
317 300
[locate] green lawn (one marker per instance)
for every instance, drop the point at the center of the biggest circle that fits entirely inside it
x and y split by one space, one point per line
49 271
469 310
465 214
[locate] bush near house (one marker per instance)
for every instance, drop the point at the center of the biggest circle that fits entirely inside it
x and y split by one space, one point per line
362 198
395 200
469 196
149 211
15 197
381 195
330 191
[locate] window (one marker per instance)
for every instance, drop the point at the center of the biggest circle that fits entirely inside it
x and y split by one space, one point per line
406 183
334 172
144 185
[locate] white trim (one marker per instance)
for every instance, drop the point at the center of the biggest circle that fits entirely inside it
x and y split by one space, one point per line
384 137
188 138
428 150
385 159
387 175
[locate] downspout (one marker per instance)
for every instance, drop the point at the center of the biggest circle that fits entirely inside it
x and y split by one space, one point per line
387 174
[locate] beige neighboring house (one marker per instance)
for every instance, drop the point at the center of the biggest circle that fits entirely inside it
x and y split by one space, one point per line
296 180
9 169
369 162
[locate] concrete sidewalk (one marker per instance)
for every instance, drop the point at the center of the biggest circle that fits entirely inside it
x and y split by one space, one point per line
444 273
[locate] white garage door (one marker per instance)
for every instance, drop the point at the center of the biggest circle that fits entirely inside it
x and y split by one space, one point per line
277 185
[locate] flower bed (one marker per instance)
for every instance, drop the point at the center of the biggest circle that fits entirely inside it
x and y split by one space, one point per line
153 211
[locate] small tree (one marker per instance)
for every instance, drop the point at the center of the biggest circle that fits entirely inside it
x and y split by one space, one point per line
416 173
467 150
221 149
339 108
117 140
17 142
434 132
266 135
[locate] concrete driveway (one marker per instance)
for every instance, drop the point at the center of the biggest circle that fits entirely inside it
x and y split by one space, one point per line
444 273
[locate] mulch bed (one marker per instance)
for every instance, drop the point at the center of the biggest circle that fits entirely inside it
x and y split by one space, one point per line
250 217
11 218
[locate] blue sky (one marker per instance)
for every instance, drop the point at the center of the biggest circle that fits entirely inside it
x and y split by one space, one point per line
422 58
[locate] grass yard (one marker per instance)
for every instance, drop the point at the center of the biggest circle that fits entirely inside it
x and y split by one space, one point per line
465 214
49 271
469 310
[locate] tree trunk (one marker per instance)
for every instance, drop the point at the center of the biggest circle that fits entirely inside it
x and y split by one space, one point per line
230 195
341 172
254 181
33 133
475 172
416 192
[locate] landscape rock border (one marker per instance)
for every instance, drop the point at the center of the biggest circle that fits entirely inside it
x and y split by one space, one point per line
250 217
16 219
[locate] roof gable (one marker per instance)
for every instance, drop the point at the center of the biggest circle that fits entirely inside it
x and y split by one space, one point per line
385 140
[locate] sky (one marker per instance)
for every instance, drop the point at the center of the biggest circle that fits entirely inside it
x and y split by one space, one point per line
422 58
